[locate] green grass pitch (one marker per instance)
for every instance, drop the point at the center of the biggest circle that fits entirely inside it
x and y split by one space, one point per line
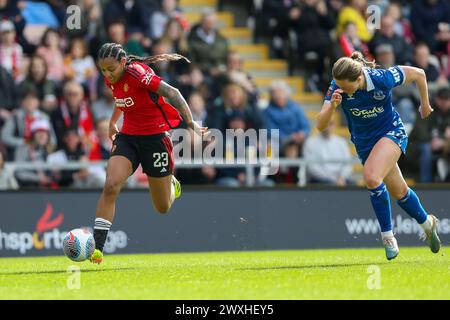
306 274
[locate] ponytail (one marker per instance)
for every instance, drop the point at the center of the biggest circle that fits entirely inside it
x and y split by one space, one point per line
358 56
158 58
116 51
350 68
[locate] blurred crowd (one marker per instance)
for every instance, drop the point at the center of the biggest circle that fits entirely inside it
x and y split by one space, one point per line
54 106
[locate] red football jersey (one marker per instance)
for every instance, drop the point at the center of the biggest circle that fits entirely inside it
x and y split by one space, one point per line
144 111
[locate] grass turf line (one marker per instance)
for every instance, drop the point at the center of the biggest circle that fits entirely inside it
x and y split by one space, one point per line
307 274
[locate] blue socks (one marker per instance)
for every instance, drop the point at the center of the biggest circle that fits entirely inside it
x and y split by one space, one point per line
382 206
411 204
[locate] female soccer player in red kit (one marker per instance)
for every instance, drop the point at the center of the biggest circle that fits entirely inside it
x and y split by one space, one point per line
150 107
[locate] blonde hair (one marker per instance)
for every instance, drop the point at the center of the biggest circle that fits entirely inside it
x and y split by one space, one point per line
350 68
233 86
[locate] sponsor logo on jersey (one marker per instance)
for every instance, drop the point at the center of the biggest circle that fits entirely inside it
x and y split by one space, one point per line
371 113
124 103
379 95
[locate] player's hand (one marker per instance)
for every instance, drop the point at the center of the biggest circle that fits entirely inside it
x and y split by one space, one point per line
336 98
425 111
201 131
113 130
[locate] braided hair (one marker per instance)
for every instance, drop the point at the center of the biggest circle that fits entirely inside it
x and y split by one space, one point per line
116 51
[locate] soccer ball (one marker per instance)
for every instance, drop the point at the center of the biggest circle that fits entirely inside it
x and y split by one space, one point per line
78 245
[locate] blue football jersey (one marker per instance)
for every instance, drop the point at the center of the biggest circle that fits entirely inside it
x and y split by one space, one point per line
370 113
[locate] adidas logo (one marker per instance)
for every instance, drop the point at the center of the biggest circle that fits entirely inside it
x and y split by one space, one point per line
163 170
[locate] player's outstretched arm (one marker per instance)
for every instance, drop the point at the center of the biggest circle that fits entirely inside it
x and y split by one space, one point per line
327 111
176 99
417 75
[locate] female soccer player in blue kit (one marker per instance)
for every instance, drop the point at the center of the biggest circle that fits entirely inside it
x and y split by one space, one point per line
365 94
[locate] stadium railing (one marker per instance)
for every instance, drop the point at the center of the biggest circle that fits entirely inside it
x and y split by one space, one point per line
251 175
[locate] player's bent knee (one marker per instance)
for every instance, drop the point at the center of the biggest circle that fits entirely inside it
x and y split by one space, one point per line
111 188
371 180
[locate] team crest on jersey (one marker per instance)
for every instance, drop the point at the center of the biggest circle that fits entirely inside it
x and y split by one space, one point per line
147 78
125 87
350 96
379 95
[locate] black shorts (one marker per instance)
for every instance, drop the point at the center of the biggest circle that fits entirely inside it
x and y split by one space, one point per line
153 152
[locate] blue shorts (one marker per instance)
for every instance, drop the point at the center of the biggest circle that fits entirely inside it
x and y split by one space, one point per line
398 135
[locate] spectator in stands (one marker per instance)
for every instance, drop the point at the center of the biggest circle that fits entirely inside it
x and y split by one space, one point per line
387 35
8 96
203 175
17 130
37 149
440 132
160 18
234 99
286 115
90 21
10 11
50 50
165 69
355 11
235 74
104 106
102 144
116 32
98 148
430 64
312 27
327 146
36 78
11 53
80 66
335 6
133 12
72 150
194 80
40 13
430 23
288 174
208 48
402 26
197 105
349 41
7 181
403 97
430 140
236 176
175 34
273 23
73 113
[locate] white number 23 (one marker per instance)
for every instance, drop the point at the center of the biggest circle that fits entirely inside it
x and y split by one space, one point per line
160 159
